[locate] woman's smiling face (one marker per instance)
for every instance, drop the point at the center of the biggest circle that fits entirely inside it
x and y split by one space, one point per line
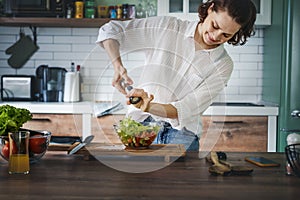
218 28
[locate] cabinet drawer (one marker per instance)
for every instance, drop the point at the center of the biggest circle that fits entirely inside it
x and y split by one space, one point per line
234 133
57 124
102 129
71 125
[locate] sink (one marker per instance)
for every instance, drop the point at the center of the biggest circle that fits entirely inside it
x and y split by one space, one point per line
247 104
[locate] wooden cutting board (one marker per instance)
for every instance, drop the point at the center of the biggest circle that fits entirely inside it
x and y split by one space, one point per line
168 152
61 147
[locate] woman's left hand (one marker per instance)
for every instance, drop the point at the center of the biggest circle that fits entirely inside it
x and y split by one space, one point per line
144 103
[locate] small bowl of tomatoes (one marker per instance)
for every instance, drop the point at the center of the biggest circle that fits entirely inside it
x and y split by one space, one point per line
38 144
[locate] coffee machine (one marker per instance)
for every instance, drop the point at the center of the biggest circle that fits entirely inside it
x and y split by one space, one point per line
51 82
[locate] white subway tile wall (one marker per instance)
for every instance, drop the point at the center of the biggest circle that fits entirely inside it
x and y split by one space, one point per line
61 46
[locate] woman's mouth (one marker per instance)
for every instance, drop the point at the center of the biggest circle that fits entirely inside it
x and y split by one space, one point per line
210 39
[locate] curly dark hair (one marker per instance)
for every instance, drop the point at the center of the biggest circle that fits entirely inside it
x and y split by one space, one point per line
242 11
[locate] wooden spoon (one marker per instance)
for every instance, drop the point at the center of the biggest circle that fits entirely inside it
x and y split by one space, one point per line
218 168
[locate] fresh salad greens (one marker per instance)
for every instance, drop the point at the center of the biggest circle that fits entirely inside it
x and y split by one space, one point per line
12 118
135 134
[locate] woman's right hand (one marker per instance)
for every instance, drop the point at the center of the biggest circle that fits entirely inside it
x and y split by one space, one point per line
112 48
145 99
120 76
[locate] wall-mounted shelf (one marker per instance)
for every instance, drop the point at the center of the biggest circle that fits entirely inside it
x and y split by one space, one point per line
53 22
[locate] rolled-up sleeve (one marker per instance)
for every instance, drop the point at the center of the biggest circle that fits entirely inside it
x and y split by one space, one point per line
111 30
134 34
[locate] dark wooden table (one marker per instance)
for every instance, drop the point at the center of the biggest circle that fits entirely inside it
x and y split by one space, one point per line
61 176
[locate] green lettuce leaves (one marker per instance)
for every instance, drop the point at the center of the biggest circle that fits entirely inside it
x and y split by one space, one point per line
12 118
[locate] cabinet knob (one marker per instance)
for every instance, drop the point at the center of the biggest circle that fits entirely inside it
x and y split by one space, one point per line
295 114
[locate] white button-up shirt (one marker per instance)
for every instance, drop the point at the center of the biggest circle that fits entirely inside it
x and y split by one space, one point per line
174 71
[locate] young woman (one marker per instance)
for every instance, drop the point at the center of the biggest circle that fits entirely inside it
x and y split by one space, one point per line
186 64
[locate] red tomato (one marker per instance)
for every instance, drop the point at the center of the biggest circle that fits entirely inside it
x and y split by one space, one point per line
37 144
5 150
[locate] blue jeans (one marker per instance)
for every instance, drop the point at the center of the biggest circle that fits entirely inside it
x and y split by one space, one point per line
169 135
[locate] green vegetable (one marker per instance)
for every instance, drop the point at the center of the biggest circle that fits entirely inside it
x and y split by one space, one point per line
12 118
135 134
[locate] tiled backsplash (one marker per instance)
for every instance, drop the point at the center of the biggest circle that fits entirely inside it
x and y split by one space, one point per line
61 46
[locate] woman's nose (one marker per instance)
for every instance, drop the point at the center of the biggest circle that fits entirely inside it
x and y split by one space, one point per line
217 35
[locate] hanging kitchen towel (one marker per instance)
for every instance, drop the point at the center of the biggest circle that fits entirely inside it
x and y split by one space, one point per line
21 51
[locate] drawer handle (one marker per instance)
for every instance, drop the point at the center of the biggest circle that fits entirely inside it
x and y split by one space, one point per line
228 122
295 114
290 130
229 134
41 119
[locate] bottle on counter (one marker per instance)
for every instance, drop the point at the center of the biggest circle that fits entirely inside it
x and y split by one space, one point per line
80 82
72 67
72 85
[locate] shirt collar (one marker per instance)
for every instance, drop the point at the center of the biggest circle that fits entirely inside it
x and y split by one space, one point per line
190 33
191 29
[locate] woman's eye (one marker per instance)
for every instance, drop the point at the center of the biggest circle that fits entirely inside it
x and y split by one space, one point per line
214 26
226 35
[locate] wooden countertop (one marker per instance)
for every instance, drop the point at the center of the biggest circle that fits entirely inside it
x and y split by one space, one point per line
61 176
87 107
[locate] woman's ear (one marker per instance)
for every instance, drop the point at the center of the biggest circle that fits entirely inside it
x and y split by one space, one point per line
210 9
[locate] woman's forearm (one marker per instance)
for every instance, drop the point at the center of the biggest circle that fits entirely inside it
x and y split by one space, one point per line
111 46
163 110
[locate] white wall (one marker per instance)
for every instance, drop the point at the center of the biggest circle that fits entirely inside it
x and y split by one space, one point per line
61 46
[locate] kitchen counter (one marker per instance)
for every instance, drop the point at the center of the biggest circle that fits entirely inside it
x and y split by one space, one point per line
54 107
61 176
77 108
248 109
244 109
86 110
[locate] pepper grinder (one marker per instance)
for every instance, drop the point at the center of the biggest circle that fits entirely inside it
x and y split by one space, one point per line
128 88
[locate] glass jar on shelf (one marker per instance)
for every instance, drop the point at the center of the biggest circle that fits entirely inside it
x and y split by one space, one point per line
79 9
146 8
140 11
112 12
119 11
89 9
125 11
103 11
